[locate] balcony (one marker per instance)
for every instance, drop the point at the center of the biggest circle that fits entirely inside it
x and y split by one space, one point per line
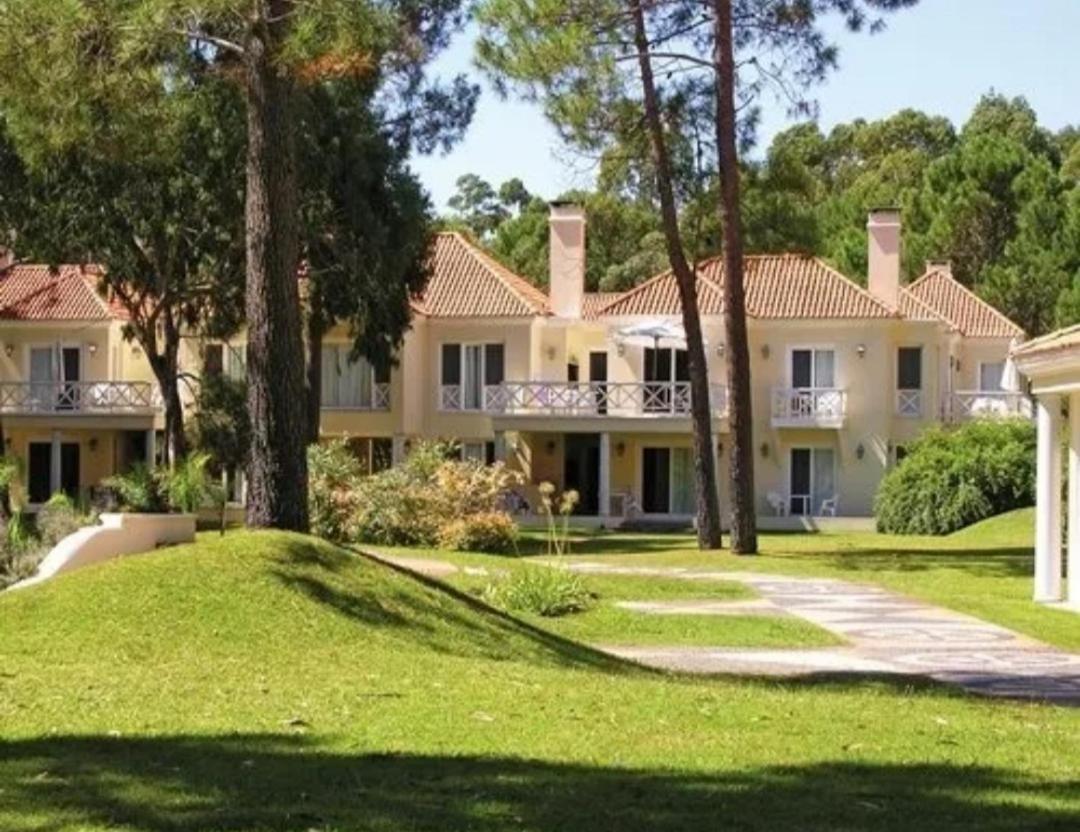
78 397
988 404
357 401
649 399
909 403
809 407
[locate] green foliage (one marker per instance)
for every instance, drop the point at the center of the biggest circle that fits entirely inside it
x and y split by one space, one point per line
220 425
549 591
19 535
187 486
58 518
137 490
952 477
334 477
493 532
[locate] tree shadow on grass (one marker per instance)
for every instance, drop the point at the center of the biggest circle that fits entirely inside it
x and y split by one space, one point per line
988 563
274 782
389 598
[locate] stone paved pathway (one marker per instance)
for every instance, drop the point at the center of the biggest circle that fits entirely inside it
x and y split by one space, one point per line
887 633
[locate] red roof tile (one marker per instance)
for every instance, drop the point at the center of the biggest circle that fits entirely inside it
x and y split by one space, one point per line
468 283
777 286
36 292
961 308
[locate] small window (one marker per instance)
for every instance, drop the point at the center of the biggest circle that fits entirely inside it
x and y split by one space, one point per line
991 374
909 368
451 364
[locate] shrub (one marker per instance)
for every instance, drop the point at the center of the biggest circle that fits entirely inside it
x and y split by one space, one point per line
541 590
138 490
187 486
409 504
20 550
334 477
488 531
953 477
58 518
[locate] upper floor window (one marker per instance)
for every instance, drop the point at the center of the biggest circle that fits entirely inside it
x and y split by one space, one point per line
352 384
813 368
666 364
466 370
909 381
991 374
225 359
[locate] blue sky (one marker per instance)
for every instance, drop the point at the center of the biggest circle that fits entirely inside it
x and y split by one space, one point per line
939 56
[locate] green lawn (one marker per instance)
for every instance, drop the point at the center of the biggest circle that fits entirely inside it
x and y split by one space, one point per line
270 682
608 624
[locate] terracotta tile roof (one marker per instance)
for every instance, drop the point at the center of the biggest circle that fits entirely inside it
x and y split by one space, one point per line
914 309
37 292
961 308
777 286
467 283
593 302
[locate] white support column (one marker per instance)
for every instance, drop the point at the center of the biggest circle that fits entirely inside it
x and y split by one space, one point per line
1048 501
55 471
500 446
1072 569
151 448
397 451
605 475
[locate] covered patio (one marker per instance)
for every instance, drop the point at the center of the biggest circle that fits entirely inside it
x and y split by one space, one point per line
1052 366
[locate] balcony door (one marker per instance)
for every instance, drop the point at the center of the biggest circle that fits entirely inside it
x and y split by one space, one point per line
813 368
812 479
55 372
663 365
667 481
40 467
466 370
909 381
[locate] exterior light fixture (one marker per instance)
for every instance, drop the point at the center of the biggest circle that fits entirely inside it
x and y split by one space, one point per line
765 449
719 350
719 449
765 351
861 350
92 348
93 443
551 353
9 350
550 447
620 448
860 451
620 348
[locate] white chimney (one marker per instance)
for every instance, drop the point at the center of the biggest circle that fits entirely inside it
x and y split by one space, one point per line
883 236
943 266
566 259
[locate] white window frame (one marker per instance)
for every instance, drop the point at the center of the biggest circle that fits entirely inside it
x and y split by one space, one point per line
813 495
921 390
979 372
462 347
372 405
671 477
812 348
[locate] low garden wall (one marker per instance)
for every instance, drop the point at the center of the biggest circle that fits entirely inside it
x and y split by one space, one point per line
117 535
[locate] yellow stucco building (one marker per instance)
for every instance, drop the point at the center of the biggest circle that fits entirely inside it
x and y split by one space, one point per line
586 390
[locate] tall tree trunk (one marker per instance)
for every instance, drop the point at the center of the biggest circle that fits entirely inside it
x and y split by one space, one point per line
277 468
708 504
175 439
315 330
743 519
5 491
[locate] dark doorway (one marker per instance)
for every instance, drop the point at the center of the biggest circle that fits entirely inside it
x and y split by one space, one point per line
69 469
581 470
132 450
598 379
656 480
39 471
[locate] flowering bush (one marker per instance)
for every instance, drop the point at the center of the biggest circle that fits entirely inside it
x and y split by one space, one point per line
488 531
541 590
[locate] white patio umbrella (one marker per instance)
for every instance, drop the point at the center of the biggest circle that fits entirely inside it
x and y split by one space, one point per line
1010 378
654 333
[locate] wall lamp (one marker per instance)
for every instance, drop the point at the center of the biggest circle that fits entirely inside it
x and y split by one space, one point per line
765 351
9 350
620 448
765 449
860 451
550 447
861 350
91 348
719 350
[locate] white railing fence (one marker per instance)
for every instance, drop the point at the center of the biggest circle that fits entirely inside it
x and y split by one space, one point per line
647 398
909 402
77 396
809 405
975 404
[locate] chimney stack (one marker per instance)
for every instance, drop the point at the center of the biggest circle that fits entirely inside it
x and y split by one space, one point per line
566 259
883 238
944 266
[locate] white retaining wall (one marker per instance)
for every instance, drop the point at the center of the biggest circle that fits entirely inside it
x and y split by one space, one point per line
117 535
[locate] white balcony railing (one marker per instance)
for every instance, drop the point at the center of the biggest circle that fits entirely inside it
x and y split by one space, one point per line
380 400
619 399
909 403
988 404
78 397
823 407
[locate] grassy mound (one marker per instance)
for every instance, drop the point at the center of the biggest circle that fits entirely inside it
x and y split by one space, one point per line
266 681
1011 529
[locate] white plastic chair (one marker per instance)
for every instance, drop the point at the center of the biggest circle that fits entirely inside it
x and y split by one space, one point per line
828 507
778 503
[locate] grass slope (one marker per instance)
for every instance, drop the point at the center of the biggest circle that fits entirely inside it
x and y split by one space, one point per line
264 681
